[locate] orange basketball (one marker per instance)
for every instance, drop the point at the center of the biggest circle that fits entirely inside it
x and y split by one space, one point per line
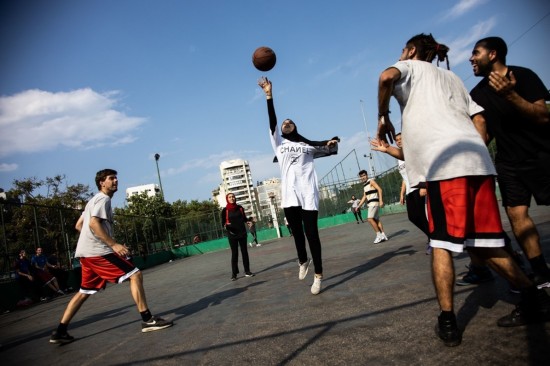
264 58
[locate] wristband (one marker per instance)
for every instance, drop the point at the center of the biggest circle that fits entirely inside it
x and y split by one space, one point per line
383 114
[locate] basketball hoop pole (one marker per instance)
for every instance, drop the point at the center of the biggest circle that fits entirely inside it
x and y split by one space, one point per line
371 167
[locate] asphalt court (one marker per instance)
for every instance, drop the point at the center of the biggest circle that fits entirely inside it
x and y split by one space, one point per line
377 307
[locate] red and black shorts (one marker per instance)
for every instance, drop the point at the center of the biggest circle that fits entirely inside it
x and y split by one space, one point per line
97 271
464 212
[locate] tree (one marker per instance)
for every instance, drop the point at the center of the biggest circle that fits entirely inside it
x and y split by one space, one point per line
32 218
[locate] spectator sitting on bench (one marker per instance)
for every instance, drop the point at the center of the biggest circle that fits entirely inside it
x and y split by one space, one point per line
40 264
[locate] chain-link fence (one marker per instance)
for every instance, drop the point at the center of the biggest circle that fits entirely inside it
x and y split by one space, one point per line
29 226
342 181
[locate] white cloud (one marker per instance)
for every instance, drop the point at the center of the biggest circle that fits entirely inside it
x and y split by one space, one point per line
4 167
349 65
462 7
461 48
36 120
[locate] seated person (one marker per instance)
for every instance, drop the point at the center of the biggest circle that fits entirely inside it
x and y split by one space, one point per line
39 263
24 277
58 271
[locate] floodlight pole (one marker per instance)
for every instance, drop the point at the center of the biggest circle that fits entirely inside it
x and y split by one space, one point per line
157 157
371 167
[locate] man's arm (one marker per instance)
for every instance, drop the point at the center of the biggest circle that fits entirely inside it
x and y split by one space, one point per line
379 145
481 127
402 193
362 200
101 234
385 88
379 189
537 111
79 223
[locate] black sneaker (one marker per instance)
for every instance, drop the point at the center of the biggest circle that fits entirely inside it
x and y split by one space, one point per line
448 332
249 274
522 316
475 276
535 309
234 278
57 338
515 319
156 323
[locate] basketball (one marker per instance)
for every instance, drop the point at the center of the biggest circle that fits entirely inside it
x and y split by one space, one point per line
264 58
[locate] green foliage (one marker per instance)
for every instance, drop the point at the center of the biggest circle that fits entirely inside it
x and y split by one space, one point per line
148 221
41 213
143 205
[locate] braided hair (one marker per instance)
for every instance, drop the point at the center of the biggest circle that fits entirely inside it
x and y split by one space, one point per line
427 48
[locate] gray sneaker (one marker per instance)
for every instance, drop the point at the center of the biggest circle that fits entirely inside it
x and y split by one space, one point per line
156 323
303 269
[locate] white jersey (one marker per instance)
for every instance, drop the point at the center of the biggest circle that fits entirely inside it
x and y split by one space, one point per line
88 244
439 139
298 177
401 167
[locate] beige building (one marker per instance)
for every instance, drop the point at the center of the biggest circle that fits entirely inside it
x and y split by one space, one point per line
237 179
151 190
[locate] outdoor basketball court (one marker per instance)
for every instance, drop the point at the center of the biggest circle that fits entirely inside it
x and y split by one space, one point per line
377 307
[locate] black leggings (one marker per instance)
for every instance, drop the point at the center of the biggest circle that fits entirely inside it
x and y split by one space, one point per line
254 236
235 243
357 214
416 211
296 216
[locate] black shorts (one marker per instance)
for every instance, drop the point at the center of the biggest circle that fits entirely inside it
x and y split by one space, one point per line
519 182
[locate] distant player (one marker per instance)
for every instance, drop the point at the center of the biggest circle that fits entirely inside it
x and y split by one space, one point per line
372 196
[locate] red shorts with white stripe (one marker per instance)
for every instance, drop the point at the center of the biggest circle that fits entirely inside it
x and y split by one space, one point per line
97 271
464 212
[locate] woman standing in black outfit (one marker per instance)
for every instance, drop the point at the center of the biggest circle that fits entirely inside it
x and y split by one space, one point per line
234 222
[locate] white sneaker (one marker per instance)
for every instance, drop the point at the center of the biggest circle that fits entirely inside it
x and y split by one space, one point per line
250 244
383 235
303 269
316 287
378 239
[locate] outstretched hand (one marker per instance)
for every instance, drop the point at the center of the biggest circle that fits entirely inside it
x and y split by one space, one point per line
265 84
379 145
386 131
501 84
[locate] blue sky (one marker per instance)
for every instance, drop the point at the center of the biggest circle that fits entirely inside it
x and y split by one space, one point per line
86 85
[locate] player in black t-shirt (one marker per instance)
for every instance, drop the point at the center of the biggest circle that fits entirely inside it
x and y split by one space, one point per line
517 117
